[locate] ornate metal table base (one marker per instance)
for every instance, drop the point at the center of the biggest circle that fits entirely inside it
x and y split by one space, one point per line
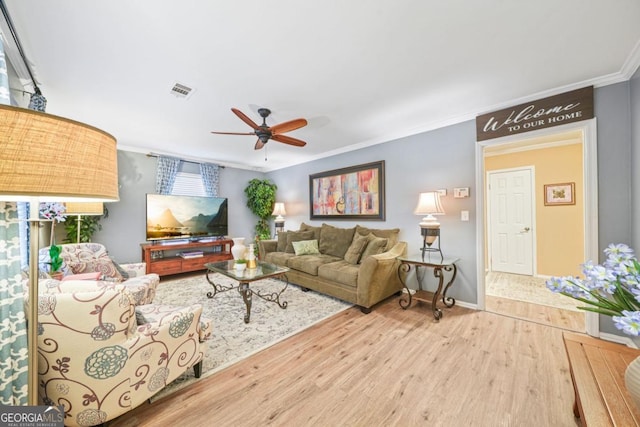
247 293
439 268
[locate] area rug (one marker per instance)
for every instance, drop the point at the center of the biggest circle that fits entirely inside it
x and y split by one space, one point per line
528 289
234 340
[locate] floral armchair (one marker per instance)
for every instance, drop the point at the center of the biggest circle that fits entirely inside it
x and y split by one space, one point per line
99 357
78 259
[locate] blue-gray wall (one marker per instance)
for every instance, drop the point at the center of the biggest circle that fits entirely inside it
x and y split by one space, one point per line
440 159
124 229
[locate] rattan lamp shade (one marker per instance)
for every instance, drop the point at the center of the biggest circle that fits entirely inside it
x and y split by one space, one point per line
84 208
54 159
49 158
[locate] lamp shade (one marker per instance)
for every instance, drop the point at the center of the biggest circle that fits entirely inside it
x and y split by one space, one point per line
84 208
49 158
54 159
429 204
278 209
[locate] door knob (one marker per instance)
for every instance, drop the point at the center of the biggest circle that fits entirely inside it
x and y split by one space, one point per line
526 229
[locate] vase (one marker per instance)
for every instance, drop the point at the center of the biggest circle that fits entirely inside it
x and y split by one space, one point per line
238 249
251 262
632 380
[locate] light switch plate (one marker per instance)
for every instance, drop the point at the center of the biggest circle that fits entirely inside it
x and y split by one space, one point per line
464 215
460 193
442 191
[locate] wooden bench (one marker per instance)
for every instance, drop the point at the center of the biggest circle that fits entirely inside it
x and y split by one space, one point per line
597 370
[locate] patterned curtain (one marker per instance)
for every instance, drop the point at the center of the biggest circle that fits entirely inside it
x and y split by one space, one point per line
166 174
14 360
13 326
210 178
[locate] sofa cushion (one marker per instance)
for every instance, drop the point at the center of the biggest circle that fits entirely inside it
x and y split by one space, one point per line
282 241
375 246
306 247
335 241
278 258
310 263
353 254
297 236
340 272
103 265
392 234
316 230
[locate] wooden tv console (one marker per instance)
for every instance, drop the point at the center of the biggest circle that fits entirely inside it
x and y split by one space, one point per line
164 258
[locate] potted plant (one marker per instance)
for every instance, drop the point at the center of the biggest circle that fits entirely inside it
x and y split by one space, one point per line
240 264
89 224
261 196
611 289
55 261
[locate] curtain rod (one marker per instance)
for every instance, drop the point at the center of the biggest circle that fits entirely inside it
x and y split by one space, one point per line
182 160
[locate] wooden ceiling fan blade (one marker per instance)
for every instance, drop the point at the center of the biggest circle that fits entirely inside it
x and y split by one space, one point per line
258 145
288 126
289 140
244 118
233 133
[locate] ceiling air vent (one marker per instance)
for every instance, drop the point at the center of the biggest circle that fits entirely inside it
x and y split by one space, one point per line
181 91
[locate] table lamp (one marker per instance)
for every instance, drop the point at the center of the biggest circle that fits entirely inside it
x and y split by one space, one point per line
429 205
48 158
80 209
279 212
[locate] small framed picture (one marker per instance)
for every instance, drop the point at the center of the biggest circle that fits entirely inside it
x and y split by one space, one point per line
559 194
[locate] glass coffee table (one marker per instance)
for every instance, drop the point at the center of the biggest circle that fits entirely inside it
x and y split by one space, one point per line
244 278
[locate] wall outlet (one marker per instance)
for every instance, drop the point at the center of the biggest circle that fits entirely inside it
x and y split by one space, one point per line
464 215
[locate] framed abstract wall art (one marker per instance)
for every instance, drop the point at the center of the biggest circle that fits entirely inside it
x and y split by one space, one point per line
355 192
559 194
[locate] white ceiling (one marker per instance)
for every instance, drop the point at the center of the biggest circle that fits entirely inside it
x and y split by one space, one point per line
361 72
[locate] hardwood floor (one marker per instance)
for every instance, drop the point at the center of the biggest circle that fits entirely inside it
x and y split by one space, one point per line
392 367
524 305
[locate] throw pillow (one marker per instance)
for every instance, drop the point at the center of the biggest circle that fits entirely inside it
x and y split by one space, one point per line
335 241
391 234
282 241
375 246
353 254
306 247
316 230
297 236
103 265
84 276
122 271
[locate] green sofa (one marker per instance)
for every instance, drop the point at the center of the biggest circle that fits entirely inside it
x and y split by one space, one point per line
358 265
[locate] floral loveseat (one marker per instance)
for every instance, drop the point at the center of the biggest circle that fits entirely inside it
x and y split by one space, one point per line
358 265
81 259
100 355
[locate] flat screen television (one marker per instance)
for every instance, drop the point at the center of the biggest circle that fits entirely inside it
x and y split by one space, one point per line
186 217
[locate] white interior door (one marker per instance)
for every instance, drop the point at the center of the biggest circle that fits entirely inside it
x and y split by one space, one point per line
510 219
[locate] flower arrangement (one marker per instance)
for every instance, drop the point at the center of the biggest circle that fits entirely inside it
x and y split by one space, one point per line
55 212
611 289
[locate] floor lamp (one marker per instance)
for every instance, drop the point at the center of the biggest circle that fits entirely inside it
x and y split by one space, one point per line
86 209
48 158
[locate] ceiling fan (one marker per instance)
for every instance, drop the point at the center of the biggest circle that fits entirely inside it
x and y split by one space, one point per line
265 133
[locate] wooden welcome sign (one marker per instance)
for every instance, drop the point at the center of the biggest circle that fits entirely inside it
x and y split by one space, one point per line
555 110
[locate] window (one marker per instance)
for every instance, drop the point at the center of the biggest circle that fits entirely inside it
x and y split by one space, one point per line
188 184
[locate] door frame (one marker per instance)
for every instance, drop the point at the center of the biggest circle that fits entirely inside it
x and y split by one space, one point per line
532 170
588 129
